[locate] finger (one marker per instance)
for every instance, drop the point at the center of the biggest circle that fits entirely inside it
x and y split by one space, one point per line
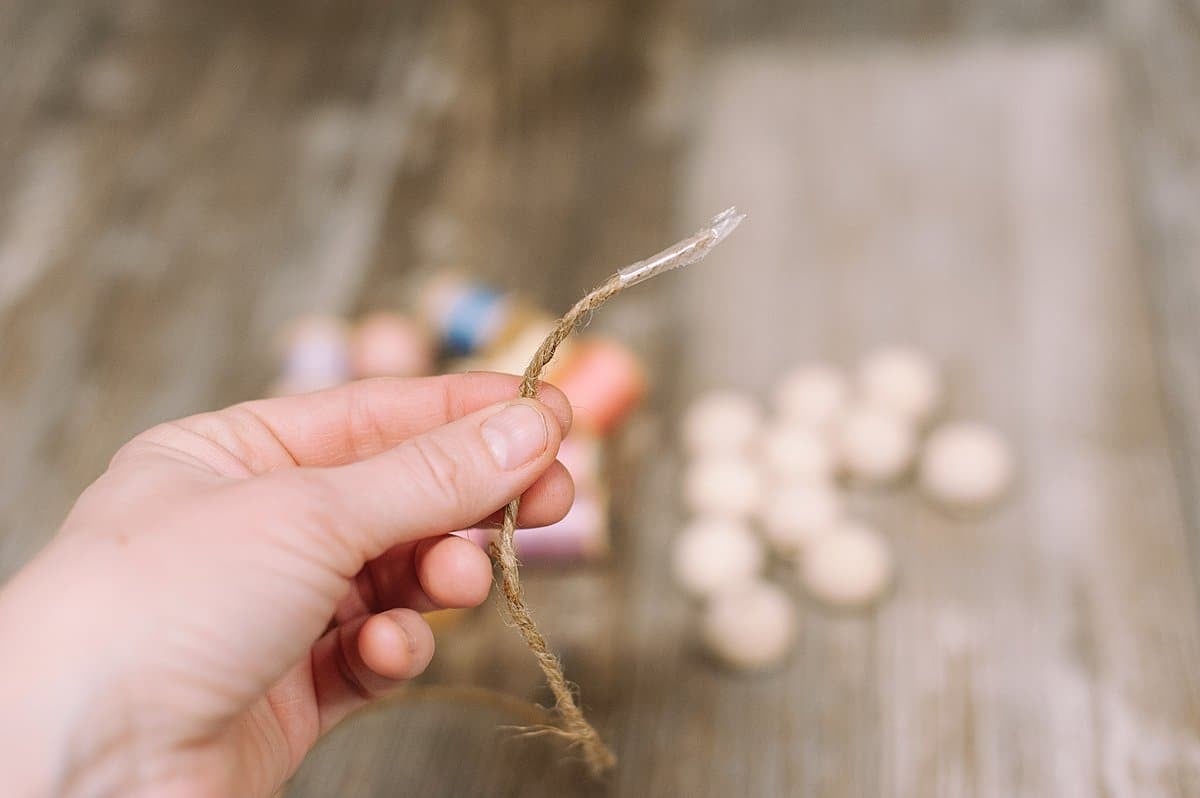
432 574
358 662
443 480
341 425
391 579
453 572
546 502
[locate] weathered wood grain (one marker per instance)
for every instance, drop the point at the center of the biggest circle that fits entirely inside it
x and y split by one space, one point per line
971 202
176 179
151 248
1158 46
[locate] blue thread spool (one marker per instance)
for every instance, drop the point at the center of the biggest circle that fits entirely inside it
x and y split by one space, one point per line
468 317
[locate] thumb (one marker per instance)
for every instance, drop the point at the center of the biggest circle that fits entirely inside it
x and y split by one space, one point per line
441 481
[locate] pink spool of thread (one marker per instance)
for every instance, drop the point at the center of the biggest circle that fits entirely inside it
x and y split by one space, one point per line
583 534
604 381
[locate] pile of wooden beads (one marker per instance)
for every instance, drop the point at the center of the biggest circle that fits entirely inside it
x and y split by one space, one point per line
767 492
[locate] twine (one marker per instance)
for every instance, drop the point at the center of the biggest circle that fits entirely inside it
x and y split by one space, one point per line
573 726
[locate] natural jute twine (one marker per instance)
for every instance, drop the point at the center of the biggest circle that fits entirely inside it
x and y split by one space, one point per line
573 726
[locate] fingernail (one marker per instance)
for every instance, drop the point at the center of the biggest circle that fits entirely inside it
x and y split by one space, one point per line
515 435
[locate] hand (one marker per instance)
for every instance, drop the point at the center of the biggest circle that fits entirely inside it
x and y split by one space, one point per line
237 582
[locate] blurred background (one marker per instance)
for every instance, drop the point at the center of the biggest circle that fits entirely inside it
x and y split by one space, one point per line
201 201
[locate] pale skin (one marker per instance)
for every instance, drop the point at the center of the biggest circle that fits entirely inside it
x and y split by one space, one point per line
238 582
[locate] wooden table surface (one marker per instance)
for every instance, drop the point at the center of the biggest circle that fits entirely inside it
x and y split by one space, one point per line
1014 186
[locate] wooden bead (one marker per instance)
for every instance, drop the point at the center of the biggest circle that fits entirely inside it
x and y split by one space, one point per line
852 567
794 516
966 465
722 486
715 554
795 452
814 394
749 627
905 381
721 421
875 445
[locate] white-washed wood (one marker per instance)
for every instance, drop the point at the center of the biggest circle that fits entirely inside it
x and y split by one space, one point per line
970 201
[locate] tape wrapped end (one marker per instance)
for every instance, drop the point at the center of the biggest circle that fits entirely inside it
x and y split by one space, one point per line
685 252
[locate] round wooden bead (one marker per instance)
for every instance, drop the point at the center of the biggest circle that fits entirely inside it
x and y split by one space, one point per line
796 452
966 465
903 380
728 487
796 515
875 445
814 394
714 554
852 567
721 421
390 345
749 627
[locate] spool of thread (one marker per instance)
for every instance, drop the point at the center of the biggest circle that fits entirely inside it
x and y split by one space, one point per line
445 620
509 354
390 345
579 537
582 453
315 355
583 534
604 382
468 317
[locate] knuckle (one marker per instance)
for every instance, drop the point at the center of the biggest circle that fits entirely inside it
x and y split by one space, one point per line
436 470
314 497
319 522
365 431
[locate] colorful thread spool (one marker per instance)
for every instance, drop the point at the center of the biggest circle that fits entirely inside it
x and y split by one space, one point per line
604 381
583 534
316 355
468 317
510 353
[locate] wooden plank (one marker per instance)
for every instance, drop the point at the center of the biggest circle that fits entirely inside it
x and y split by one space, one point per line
146 245
313 155
730 22
970 202
1156 42
553 168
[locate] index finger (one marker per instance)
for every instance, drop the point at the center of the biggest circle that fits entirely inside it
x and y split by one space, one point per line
362 419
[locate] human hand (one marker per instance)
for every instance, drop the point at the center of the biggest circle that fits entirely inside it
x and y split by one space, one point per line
237 582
